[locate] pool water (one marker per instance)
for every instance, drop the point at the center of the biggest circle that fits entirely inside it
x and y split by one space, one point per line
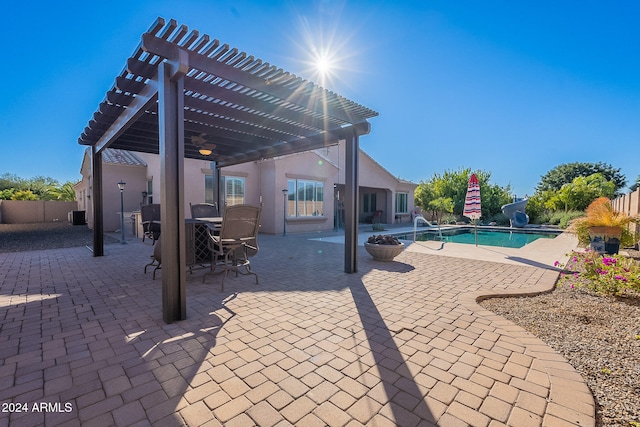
505 238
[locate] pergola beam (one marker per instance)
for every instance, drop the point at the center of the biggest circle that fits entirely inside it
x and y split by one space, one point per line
142 101
177 85
261 83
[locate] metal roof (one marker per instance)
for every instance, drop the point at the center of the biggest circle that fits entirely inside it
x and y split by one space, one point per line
121 157
247 108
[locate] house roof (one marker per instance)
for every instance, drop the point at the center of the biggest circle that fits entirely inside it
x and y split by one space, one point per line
112 156
400 180
240 107
121 157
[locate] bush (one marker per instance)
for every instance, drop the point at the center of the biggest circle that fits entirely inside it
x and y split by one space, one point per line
448 219
377 227
499 219
611 275
562 219
541 218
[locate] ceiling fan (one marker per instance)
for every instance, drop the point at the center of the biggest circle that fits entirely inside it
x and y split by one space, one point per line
204 147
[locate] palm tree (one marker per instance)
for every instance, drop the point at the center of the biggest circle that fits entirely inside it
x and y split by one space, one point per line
64 193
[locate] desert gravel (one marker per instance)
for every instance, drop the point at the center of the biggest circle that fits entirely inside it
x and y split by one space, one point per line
598 335
49 235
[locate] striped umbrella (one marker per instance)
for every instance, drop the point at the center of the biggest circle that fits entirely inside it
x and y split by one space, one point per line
472 207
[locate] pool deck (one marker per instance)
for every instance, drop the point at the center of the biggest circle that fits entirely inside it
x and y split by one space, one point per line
397 343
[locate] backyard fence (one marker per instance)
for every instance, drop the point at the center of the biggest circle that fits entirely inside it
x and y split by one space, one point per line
630 205
33 211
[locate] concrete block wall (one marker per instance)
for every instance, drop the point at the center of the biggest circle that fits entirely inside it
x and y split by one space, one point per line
34 211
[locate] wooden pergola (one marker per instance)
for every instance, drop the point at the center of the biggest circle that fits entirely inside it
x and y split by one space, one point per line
181 93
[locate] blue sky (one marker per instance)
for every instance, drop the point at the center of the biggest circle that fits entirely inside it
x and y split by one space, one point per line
514 88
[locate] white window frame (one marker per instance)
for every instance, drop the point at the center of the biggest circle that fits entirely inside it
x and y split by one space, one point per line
402 202
232 199
313 207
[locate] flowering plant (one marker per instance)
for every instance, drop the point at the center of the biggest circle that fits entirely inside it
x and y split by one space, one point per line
611 275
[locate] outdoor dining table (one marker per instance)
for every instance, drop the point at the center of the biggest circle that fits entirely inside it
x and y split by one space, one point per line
215 221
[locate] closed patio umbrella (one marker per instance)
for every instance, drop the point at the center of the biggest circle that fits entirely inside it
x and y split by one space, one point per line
472 207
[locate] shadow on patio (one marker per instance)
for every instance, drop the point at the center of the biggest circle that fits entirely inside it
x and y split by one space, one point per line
309 345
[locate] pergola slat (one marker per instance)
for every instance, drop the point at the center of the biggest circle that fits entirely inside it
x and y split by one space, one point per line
178 84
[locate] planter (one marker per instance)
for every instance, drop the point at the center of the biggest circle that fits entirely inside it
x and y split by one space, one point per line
605 240
384 252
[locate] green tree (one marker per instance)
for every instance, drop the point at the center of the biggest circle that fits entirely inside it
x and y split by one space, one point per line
441 205
580 192
635 185
64 193
8 181
45 188
42 187
24 195
7 193
453 185
536 207
493 197
566 173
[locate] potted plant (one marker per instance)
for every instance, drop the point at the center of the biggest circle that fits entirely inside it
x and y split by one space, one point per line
603 228
383 247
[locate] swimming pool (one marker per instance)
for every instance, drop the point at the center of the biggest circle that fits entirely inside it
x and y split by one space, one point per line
506 238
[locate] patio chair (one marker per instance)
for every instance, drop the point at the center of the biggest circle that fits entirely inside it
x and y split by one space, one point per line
156 258
235 242
376 217
204 210
150 218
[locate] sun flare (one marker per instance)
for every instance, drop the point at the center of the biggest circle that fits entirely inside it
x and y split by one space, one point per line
327 53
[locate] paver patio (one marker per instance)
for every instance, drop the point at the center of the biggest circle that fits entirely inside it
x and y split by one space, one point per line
400 343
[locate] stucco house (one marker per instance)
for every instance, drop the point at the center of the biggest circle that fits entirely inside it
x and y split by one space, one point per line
314 181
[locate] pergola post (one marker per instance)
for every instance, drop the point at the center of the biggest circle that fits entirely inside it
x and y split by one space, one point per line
96 195
171 139
351 204
217 186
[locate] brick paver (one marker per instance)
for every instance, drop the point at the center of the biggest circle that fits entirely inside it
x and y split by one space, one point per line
399 343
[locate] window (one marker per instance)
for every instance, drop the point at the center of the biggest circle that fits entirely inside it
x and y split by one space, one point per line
402 203
369 202
233 190
150 191
208 189
305 198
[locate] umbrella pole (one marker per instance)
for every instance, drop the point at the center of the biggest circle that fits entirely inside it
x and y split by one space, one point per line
476 231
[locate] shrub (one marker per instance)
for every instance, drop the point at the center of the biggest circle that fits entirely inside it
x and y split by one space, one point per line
448 219
541 218
562 219
499 219
611 275
377 227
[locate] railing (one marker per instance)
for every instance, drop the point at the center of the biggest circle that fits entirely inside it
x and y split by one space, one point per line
415 226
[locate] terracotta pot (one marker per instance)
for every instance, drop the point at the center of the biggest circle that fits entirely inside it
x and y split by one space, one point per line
605 240
384 252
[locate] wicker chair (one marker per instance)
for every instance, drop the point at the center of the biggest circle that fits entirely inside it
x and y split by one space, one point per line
156 258
235 242
150 222
204 210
